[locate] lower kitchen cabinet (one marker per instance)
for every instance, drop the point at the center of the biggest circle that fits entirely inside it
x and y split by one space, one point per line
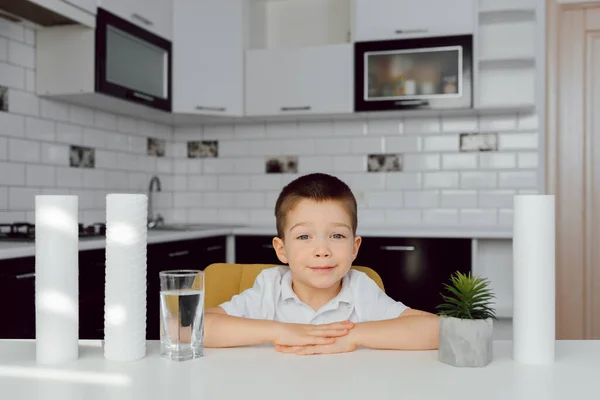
17 292
252 249
186 254
413 270
17 288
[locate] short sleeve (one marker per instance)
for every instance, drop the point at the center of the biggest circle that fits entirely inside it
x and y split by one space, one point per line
253 303
373 303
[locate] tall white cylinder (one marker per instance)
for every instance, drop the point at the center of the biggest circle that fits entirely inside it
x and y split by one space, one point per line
125 296
534 279
56 279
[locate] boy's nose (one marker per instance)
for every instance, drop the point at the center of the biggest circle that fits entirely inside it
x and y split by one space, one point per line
322 250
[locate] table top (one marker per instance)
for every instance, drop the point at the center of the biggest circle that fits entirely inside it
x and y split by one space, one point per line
261 372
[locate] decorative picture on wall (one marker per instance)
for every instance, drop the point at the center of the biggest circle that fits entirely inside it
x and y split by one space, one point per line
3 98
203 149
82 157
281 165
156 147
478 142
384 163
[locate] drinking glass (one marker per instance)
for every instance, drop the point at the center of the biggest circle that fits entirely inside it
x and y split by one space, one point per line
181 314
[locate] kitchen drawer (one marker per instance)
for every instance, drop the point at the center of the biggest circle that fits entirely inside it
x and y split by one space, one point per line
255 250
92 277
414 270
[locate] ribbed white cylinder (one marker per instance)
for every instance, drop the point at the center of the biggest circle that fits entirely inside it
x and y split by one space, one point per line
534 279
56 279
125 296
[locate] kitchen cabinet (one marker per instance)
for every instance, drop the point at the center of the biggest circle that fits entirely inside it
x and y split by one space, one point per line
414 270
250 249
208 57
397 19
155 16
296 81
86 5
17 292
186 254
17 288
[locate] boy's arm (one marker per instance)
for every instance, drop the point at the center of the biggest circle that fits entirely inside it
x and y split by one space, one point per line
413 330
222 330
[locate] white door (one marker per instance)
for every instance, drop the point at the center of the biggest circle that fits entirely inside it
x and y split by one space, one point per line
398 19
208 57
311 80
573 155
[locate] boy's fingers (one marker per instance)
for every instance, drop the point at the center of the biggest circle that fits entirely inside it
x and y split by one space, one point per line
337 325
318 340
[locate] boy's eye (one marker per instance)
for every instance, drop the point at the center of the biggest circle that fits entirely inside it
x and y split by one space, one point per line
338 236
303 237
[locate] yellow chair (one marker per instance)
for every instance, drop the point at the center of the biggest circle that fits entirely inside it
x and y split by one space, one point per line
222 281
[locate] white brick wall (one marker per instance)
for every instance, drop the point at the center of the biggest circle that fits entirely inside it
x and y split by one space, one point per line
35 135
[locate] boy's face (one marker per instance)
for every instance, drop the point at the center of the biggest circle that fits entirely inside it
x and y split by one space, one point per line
319 245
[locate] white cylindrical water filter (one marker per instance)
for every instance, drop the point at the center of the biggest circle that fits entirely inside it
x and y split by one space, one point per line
534 279
56 279
125 292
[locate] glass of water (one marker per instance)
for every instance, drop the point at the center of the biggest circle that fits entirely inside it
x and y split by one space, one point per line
181 314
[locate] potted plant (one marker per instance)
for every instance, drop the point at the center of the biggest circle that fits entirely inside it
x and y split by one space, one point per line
466 322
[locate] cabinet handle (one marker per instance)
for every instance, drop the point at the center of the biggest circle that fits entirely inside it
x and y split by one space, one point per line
398 248
142 19
26 276
213 248
267 246
408 31
143 96
303 108
179 253
218 109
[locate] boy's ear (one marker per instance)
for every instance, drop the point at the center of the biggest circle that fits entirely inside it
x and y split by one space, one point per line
356 246
280 250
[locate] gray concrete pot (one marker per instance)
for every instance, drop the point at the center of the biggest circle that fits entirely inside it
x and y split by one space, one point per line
466 342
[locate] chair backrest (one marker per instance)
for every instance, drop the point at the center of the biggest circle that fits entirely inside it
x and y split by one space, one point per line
223 280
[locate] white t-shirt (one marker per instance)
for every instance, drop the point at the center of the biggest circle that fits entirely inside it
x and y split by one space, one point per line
272 298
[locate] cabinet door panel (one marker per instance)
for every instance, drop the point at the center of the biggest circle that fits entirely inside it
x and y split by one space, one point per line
17 292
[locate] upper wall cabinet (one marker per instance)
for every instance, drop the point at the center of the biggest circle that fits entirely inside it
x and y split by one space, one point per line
310 80
299 58
155 16
86 5
208 57
52 12
397 19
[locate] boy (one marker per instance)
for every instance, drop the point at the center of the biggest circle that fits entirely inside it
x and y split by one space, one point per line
318 305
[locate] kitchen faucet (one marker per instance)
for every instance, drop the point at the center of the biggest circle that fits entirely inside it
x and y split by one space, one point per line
152 222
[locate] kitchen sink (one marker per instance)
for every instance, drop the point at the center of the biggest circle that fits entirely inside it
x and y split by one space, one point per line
188 227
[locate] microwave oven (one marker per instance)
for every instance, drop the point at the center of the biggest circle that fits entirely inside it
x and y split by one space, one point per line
132 63
417 73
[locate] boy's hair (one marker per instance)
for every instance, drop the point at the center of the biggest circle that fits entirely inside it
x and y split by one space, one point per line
318 187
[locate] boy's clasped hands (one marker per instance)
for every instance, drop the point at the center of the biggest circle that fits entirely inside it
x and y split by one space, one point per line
307 339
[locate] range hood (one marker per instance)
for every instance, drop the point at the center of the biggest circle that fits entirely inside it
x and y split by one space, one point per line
46 12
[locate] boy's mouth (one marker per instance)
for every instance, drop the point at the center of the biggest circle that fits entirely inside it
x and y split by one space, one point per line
323 269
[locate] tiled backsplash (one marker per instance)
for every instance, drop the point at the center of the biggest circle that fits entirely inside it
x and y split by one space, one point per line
442 179
404 171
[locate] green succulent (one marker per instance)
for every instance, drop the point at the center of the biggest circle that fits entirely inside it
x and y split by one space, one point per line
468 298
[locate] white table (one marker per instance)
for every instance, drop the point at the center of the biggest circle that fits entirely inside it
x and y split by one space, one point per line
261 373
